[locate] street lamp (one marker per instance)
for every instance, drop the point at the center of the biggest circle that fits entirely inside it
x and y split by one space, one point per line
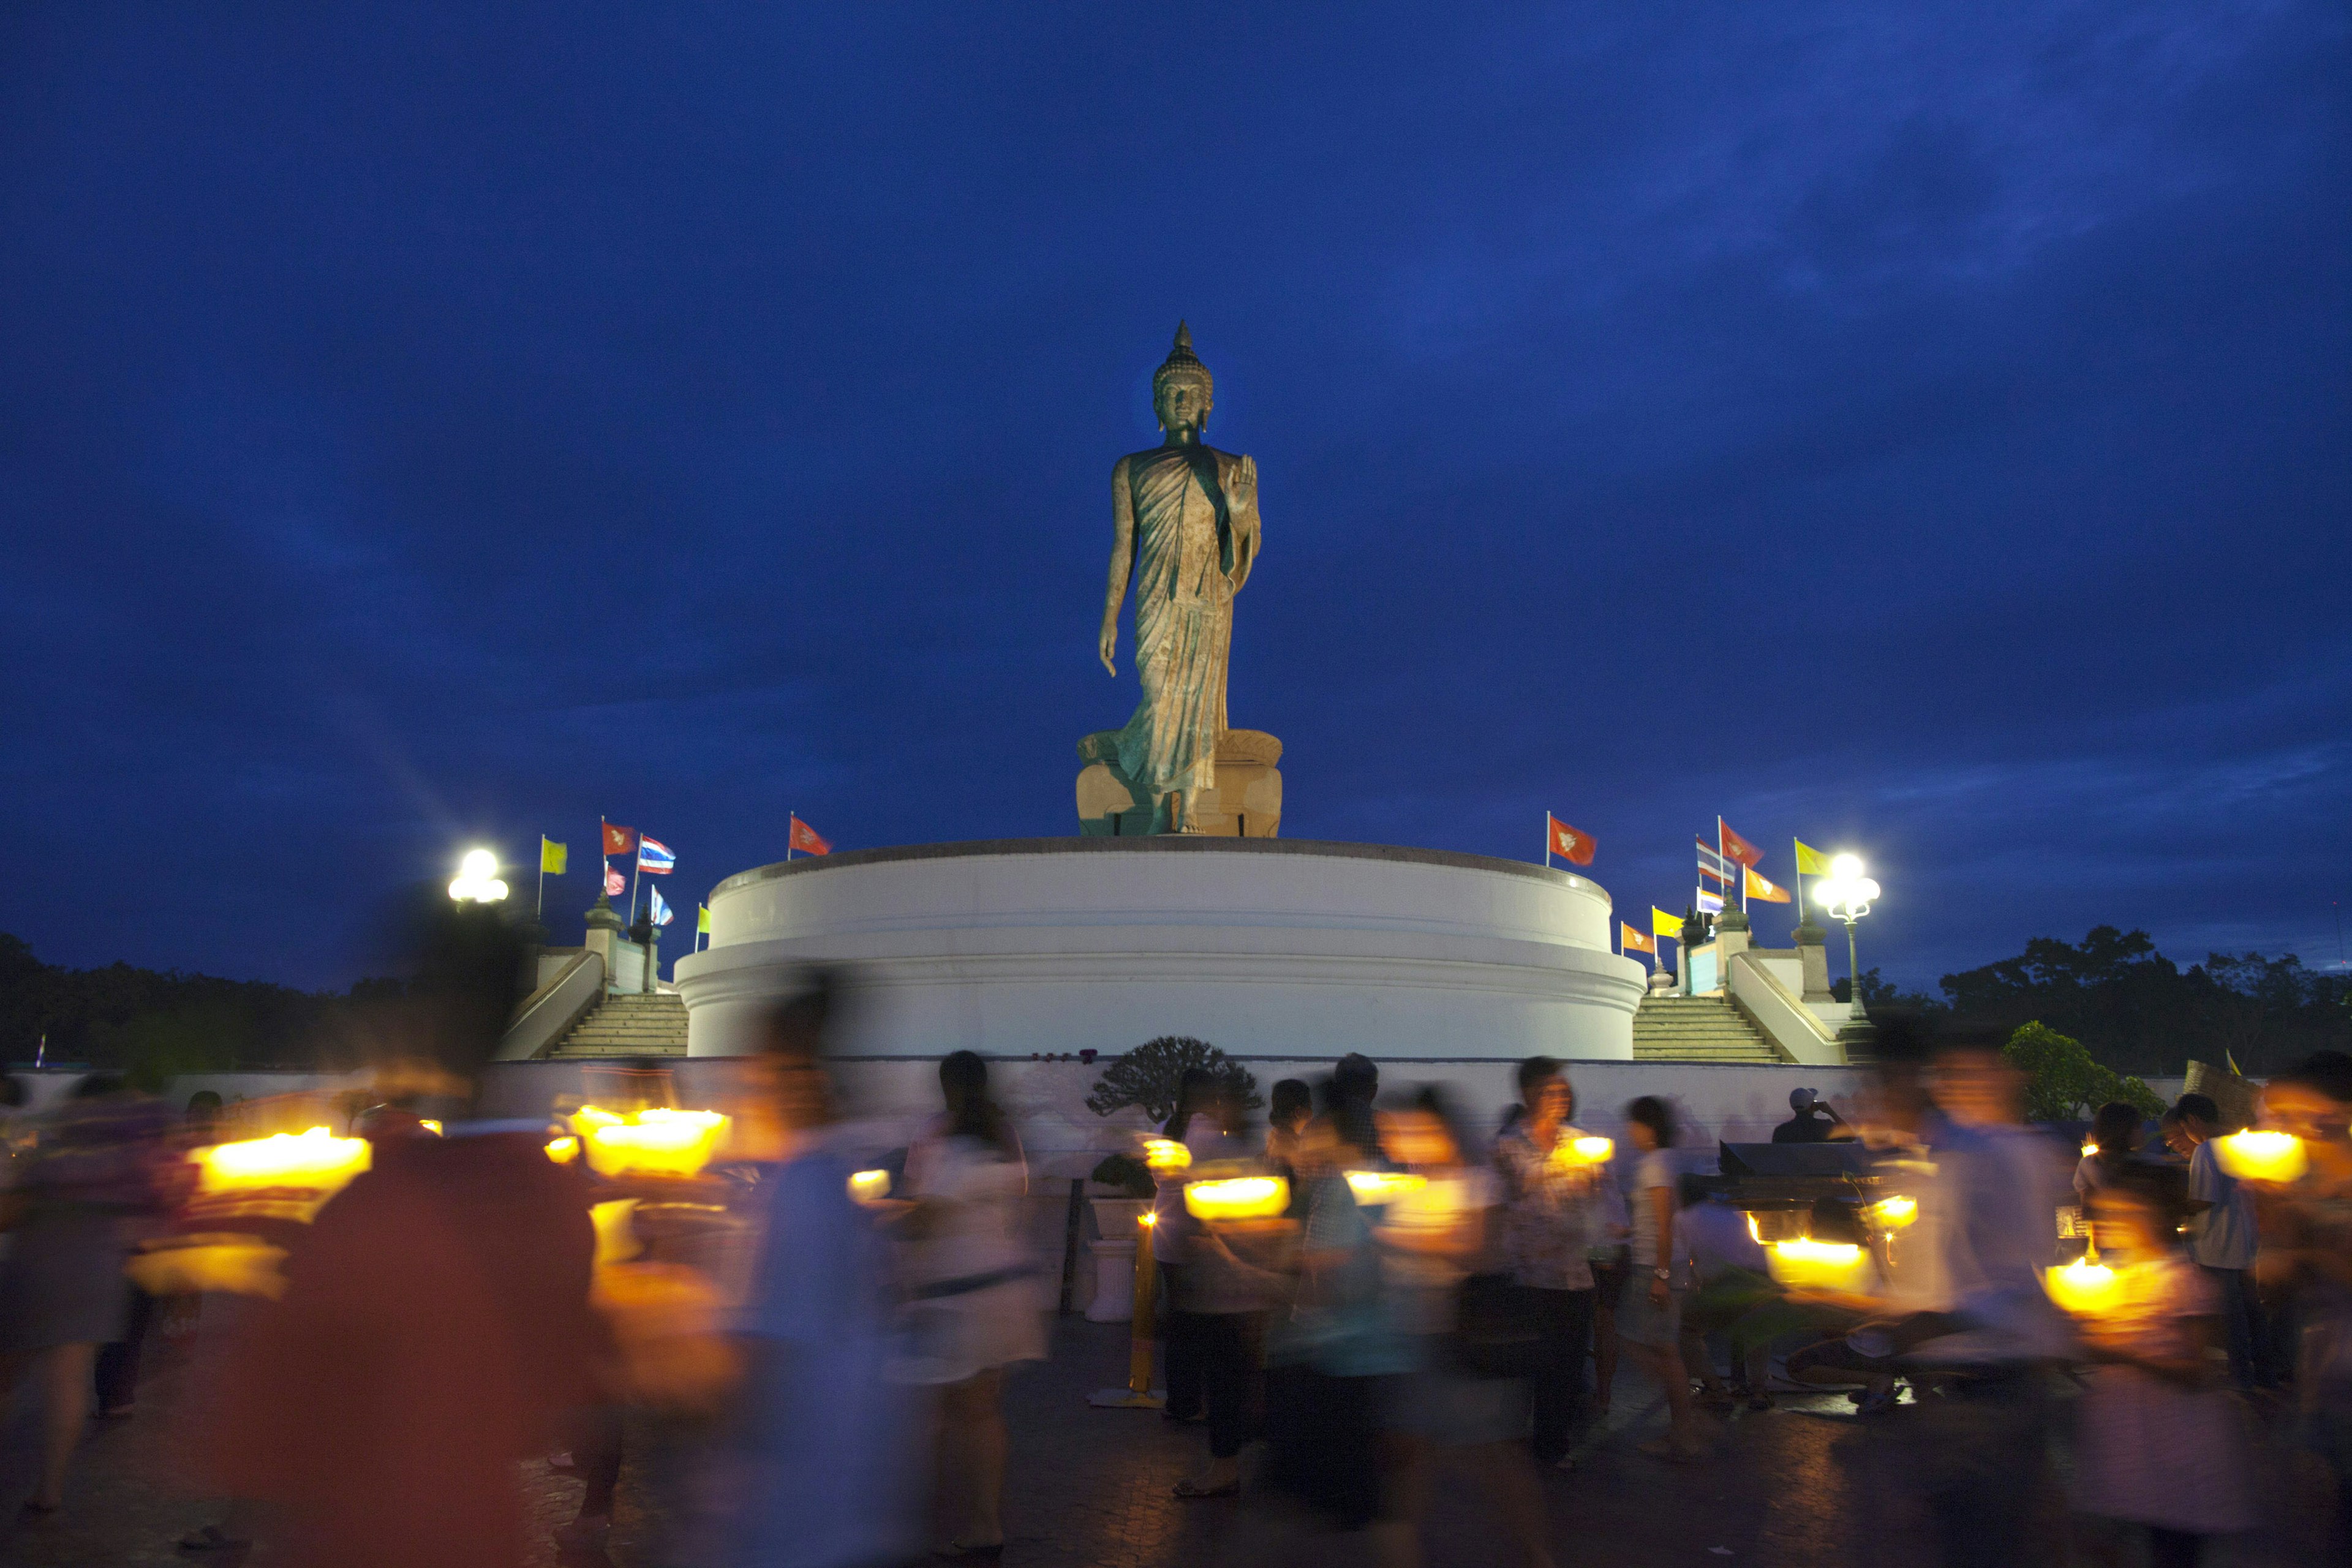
1847 897
478 880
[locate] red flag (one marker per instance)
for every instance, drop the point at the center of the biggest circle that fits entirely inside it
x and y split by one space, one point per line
805 839
1737 848
619 840
1636 941
614 883
1571 846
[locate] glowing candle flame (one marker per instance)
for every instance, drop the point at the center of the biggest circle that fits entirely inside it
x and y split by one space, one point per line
2261 1156
1895 1213
429 1125
653 1142
1592 1150
1237 1197
2085 1286
1383 1186
1166 1155
563 1150
869 1186
1805 1263
316 1159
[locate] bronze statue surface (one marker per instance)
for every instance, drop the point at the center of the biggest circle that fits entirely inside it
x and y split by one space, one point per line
1185 534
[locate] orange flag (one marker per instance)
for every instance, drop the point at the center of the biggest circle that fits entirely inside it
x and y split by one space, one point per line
1764 891
1571 846
804 838
1635 941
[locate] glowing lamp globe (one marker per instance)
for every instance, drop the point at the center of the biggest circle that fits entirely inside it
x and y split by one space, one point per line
1804 1264
2261 1156
478 880
1237 1197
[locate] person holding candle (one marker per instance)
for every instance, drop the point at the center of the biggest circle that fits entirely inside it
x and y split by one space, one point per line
2303 1260
436 1324
1649 1320
2157 1444
2222 1236
1171 1226
2115 1137
821 1439
1229 1277
1549 1220
1431 1237
973 1298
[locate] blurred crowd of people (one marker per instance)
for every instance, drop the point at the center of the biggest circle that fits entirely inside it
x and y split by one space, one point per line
802 1349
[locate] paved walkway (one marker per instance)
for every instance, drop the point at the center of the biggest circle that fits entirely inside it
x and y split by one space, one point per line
1807 1483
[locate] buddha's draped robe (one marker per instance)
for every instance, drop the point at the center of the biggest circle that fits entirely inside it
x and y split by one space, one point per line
1186 551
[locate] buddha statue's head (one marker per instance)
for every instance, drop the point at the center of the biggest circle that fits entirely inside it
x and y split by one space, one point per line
1181 390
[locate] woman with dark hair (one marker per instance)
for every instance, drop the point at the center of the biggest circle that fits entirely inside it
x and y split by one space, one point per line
1291 1104
973 1288
2114 1135
1649 1318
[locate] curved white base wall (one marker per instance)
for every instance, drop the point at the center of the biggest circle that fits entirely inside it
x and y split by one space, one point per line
1265 947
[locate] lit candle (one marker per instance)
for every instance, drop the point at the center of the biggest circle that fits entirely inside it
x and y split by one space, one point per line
2261 1156
2085 1286
1806 1264
1895 1213
1165 1155
1383 1186
869 1186
652 1143
316 1159
1237 1197
563 1150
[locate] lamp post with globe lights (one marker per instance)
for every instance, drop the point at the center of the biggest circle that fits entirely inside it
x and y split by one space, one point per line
1846 896
478 880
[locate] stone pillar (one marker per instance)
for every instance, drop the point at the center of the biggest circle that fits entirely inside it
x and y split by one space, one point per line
605 929
649 937
1731 939
1813 956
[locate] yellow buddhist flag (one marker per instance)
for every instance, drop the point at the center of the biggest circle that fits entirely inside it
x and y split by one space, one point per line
1811 862
702 919
1663 924
553 857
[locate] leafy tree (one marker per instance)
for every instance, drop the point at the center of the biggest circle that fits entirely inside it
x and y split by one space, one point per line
2137 1011
1150 1076
1878 993
2064 1083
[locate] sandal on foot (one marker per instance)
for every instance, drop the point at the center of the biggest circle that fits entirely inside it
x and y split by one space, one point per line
1185 1488
211 1538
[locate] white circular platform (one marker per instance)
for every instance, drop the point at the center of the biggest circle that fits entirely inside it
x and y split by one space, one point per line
1271 948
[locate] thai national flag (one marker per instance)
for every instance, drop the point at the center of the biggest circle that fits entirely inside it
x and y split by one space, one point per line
655 857
661 910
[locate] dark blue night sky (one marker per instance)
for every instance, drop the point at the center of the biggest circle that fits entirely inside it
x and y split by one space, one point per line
1918 428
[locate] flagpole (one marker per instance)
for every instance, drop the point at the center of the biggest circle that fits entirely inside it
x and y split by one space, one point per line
637 876
539 915
1547 841
1797 876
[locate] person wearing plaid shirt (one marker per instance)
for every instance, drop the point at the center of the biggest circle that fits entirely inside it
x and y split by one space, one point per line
1550 1219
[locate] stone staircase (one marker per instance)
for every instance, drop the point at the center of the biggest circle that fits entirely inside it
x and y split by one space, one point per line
1696 1029
627 1025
